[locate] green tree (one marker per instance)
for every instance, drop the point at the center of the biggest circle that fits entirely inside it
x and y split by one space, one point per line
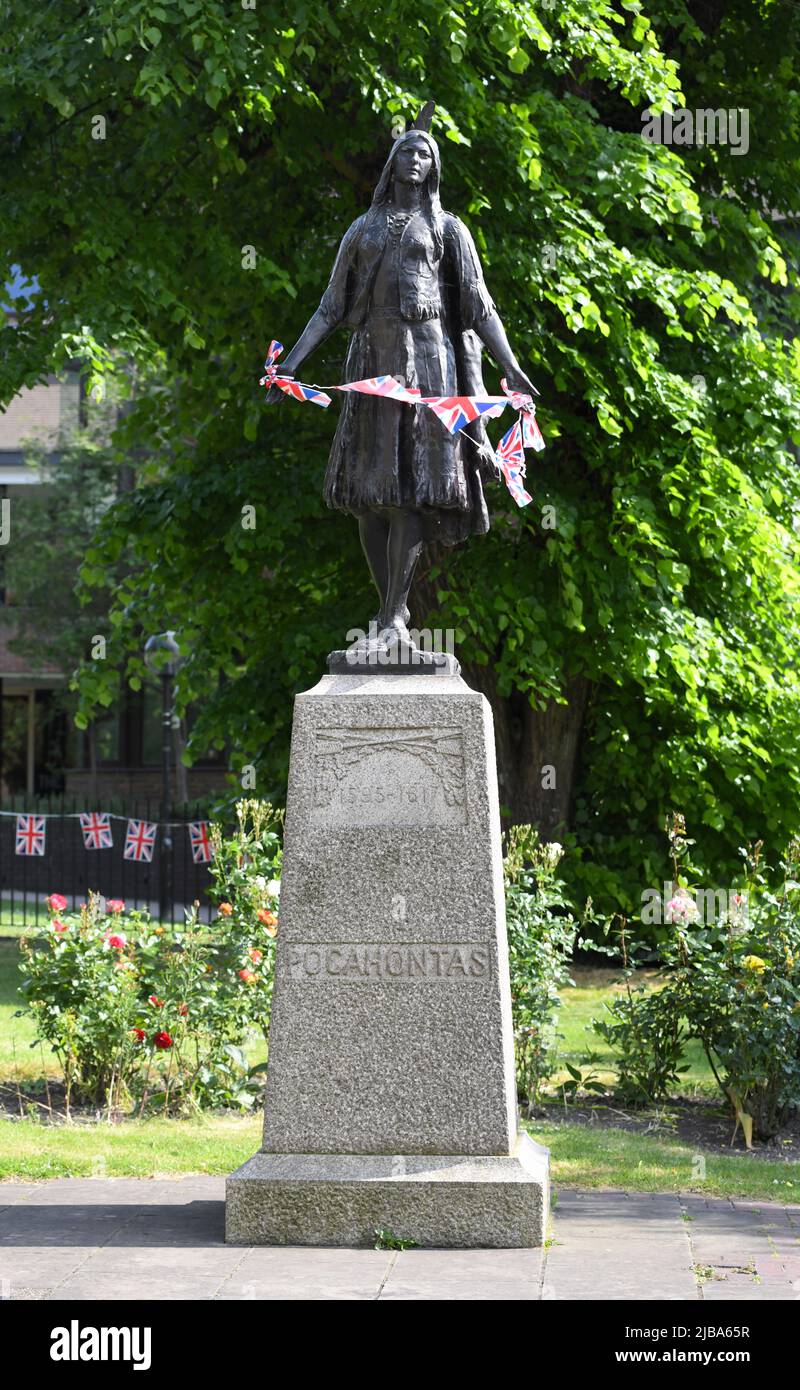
179 176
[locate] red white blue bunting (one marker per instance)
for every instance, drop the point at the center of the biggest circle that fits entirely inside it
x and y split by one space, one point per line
455 413
140 835
96 827
30 836
199 841
140 840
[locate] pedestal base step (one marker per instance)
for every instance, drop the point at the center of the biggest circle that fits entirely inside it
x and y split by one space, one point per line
435 1200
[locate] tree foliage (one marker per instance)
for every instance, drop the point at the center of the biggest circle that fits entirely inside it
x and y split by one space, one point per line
651 291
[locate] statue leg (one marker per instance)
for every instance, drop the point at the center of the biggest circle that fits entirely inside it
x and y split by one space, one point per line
373 530
405 544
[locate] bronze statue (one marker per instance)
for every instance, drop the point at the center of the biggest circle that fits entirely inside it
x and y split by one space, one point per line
408 281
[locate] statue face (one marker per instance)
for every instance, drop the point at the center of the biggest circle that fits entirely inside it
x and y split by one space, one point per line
412 163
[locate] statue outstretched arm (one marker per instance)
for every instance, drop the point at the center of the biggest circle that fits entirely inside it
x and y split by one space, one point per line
493 335
331 312
318 328
477 308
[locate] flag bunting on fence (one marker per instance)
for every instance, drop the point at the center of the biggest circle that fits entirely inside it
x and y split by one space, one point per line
30 835
96 827
140 835
140 839
199 841
455 413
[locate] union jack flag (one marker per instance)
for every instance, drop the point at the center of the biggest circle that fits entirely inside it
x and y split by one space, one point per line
198 839
140 839
299 392
457 411
287 384
385 386
532 437
531 434
96 829
30 835
510 457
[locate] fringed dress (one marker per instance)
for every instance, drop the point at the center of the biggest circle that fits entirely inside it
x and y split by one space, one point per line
413 298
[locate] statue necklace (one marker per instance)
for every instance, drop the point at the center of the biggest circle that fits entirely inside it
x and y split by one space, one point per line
398 221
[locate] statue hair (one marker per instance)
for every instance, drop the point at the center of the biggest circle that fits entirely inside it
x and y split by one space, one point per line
431 206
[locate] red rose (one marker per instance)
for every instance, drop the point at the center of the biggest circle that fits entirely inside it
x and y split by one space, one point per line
115 905
183 1010
155 1001
117 939
56 902
140 1034
162 1040
58 925
247 975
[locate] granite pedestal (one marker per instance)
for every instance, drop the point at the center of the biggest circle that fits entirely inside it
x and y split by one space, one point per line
390 1098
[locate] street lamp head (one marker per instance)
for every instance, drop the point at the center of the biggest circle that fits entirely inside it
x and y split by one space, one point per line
161 654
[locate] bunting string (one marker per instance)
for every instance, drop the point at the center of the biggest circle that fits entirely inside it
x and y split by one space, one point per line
455 413
140 835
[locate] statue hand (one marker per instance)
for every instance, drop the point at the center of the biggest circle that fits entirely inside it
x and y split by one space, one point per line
516 380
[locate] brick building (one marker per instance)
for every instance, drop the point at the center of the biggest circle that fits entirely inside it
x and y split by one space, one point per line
41 752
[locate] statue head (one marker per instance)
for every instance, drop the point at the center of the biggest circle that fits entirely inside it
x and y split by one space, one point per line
404 145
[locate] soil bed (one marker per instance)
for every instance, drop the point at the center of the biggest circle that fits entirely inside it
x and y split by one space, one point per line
705 1124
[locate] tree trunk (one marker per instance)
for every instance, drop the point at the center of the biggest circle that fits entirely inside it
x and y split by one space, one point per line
537 752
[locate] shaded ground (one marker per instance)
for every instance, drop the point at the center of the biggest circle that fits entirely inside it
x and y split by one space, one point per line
85 1239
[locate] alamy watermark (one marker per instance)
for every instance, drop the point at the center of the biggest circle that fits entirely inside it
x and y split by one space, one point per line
705 126
365 648
76 1343
684 907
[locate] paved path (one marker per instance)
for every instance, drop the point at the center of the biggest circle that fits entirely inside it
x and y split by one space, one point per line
127 1238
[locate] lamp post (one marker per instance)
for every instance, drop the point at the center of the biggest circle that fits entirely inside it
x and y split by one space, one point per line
162 657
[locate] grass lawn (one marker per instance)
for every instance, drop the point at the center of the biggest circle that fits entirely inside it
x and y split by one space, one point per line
18 1060
594 988
585 1156
133 1149
599 1157
18 926
581 1157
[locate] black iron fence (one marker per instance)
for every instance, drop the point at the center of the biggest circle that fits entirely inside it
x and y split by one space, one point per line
67 867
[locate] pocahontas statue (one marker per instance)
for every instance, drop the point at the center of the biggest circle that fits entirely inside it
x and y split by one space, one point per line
408 282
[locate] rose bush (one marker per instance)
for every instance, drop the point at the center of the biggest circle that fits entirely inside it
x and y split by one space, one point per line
542 932
141 1014
732 980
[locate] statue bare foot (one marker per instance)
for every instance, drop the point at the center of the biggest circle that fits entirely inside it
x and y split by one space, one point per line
378 622
394 637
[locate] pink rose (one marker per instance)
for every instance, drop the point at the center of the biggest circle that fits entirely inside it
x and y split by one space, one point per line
115 905
56 902
117 939
58 925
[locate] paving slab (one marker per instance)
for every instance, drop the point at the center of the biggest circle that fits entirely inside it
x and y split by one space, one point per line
301 1272
454 1275
163 1239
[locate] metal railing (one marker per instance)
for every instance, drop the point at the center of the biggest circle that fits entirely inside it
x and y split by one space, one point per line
67 867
